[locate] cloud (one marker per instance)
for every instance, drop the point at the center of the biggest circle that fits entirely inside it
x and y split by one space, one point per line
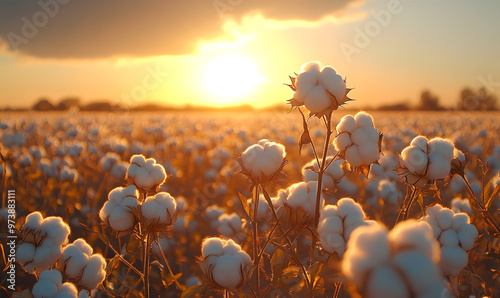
125 28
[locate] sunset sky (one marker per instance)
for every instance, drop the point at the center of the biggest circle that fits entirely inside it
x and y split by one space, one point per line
232 52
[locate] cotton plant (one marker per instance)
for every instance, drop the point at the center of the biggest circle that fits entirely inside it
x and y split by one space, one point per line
358 141
402 262
41 242
116 212
455 235
337 222
263 161
79 264
224 264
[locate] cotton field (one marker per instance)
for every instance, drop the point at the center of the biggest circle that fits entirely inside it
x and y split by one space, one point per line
313 200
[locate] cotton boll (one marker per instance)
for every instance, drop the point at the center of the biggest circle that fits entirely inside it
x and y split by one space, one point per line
301 93
56 229
360 136
347 124
227 271
419 270
332 82
212 246
67 290
414 159
25 252
448 238
330 225
33 221
341 141
44 288
317 100
385 282
453 259
363 119
306 78
415 235
459 220
445 218
420 142
369 152
467 235
443 147
353 156
94 273
439 167
263 160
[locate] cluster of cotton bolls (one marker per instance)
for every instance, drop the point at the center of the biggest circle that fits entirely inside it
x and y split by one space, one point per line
455 234
399 263
385 168
428 160
116 211
231 226
319 88
265 214
50 285
224 263
145 173
337 222
384 189
212 214
461 205
263 161
112 163
358 140
42 241
68 174
79 264
333 174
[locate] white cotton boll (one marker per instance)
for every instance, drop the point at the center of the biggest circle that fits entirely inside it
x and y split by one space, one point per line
84 294
369 152
56 229
33 221
301 93
328 211
53 276
44 288
341 141
445 218
461 205
385 282
360 136
226 272
332 82
372 135
419 270
443 147
145 173
264 158
353 156
457 154
303 195
212 246
415 235
453 259
347 124
159 208
363 119
348 207
467 236
317 100
420 142
25 252
94 273
448 237
414 159
330 225
439 167
311 67
335 170
459 220
67 290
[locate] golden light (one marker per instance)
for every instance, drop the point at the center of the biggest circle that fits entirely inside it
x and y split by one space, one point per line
231 78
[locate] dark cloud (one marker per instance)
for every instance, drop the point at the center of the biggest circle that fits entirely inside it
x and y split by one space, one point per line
96 28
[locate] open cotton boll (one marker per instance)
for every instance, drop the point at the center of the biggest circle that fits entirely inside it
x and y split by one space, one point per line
263 160
317 100
230 225
420 142
93 273
438 168
414 159
25 252
453 259
385 282
443 147
341 141
347 124
332 82
363 119
55 229
159 208
116 211
224 263
332 174
303 195
68 290
33 221
49 284
145 173
461 205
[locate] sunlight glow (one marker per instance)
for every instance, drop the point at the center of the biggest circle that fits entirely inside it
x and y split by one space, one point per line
229 78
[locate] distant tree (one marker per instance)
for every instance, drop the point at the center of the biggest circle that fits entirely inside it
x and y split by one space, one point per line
43 104
402 106
480 100
429 102
67 103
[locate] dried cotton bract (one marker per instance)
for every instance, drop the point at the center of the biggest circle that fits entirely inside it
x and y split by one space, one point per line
358 141
337 222
320 89
455 234
400 263
145 173
116 211
41 242
263 161
223 263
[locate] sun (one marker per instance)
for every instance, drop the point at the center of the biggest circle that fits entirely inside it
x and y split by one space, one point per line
231 78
